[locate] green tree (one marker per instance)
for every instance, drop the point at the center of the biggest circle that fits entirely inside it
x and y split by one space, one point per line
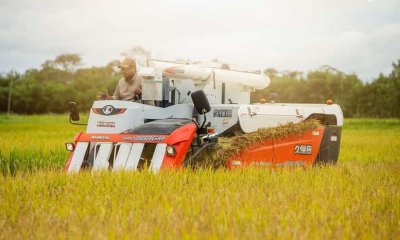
381 98
318 86
68 62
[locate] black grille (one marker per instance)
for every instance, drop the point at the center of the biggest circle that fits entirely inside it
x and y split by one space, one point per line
159 127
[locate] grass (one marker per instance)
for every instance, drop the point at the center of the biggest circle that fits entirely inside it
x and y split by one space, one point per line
357 198
31 143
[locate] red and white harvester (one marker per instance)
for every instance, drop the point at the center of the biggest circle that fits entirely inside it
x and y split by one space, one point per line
196 104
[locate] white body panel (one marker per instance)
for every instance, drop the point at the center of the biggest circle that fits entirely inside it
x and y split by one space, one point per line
233 92
121 158
77 158
131 118
134 156
134 115
101 158
253 117
151 84
221 117
158 157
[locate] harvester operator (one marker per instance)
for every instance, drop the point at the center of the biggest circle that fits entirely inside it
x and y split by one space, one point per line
129 86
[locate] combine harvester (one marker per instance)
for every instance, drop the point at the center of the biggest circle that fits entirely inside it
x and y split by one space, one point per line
195 105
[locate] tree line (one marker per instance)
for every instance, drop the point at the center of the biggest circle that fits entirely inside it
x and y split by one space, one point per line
379 98
63 79
57 82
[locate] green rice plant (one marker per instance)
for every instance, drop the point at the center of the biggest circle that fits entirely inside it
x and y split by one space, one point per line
32 160
370 140
30 143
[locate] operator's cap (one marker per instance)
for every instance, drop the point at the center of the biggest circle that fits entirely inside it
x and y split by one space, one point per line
127 63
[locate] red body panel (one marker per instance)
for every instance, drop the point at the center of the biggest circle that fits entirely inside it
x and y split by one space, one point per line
181 139
294 150
69 161
70 156
184 133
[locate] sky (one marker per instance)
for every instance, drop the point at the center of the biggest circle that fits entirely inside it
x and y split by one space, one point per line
354 36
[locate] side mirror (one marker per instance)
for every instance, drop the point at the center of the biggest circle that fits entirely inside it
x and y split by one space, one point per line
200 102
73 111
202 106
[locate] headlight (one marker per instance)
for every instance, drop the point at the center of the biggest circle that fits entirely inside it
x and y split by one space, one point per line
171 151
70 146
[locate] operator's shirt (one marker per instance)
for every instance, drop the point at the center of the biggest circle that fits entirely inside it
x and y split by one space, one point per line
126 90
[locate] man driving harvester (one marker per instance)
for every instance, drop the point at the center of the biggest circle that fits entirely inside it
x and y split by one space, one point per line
129 86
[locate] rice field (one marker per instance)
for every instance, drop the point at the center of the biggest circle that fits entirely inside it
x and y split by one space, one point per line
359 198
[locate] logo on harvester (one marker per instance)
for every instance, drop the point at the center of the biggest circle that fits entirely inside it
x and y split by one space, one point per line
100 137
108 110
106 124
225 113
303 149
144 138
